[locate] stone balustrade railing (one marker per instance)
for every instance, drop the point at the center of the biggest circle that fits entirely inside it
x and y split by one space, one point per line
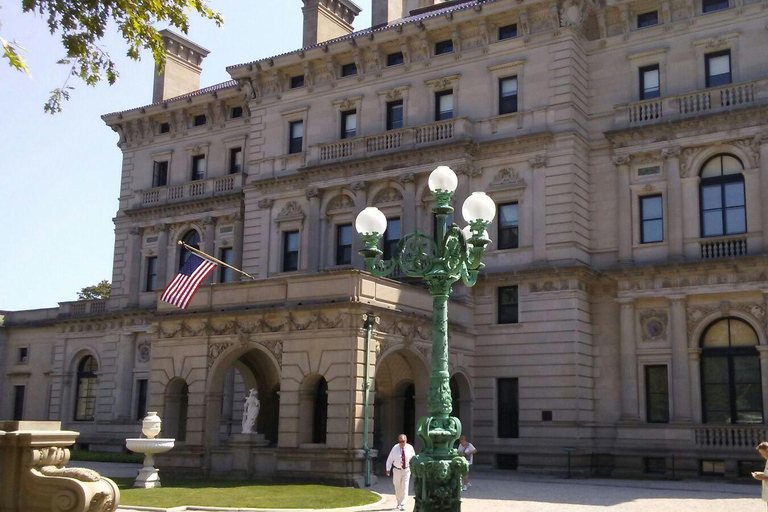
192 190
723 247
406 138
714 99
83 307
730 437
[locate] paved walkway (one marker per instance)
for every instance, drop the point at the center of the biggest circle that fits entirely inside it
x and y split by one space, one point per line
498 491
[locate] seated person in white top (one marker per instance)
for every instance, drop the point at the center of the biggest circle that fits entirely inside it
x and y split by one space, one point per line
466 450
400 459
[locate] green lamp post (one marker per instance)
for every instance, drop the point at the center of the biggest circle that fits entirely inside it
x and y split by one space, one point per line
452 254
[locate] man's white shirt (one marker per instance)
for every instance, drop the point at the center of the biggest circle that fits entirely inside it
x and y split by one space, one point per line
396 458
467 451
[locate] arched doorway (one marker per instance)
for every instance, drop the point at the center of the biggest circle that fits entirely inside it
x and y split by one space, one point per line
313 410
461 399
176 406
731 384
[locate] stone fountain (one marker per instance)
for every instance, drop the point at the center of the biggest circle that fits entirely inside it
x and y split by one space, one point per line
148 475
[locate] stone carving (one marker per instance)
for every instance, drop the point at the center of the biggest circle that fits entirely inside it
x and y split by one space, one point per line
360 185
572 14
507 177
265 204
654 324
525 27
215 350
621 159
250 412
673 152
695 314
750 146
312 192
276 347
554 286
388 195
144 351
292 209
407 178
341 202
538 161
686 157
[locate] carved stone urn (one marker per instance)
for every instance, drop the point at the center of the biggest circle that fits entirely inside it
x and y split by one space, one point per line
151 425
150 446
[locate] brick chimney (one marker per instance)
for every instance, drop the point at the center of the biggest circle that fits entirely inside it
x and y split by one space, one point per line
327 19
183 64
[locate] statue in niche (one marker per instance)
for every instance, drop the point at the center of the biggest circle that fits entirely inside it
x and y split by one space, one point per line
251 412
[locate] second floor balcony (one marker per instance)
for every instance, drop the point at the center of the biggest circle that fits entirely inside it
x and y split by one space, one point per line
193 190
705 101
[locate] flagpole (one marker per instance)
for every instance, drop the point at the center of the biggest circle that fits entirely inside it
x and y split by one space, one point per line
215 260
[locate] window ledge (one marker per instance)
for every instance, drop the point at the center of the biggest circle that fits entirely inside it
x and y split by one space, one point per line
313 446
498 327
650 245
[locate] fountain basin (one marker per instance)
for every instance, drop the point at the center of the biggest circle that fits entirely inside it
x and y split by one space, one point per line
149 446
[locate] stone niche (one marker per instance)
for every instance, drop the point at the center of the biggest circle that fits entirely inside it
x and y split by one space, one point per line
33 477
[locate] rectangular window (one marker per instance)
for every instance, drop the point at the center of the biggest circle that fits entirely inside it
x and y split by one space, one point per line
718 68
508 226
394 115
508 31
296 137
348 69
297 81
141 398
348 124
442 47
18 402
23 356
508 305
647 19
444 105
655 465
199 120
226 274
198 167
290 251
344 244
236 112
713 5
235 160
165 127
651 220
391 238
508 409
656 394
649 82
150 284
160 174
507 95
395 59
712 467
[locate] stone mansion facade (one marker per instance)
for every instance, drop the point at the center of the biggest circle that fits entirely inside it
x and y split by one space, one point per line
622 309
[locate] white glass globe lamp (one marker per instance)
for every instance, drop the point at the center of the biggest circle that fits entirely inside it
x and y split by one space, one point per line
478 207
443 179
370 221
467 232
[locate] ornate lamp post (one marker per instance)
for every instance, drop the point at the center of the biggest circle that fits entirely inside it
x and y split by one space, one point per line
451 255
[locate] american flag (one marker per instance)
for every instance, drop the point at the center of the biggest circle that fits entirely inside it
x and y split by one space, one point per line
187 281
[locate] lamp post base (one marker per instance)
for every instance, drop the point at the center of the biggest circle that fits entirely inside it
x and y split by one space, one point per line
438 482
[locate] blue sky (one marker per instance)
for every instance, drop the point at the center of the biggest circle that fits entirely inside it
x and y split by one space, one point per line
60 175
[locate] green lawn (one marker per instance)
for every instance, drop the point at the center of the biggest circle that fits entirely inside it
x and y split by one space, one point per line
135 458
246 494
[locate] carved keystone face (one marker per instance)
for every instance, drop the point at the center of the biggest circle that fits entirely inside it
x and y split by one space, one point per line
654 329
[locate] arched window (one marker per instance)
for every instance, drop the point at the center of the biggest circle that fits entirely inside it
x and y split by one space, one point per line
409 412
87 385
191 238
320 416
730 373
723 204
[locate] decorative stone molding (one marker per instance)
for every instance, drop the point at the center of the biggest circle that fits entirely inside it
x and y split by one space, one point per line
291 211
716 42
274 346
696 314
388 195
538 162
265 204
312 192
557 286
440 84
407 178
360 186
673 152
341 202
394 94
144 352
653 323
507 178
621 159
470 170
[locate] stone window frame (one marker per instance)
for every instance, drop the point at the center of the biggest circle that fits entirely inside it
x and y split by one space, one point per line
284 223
161 156
513 193
230 144
640 60
638 191
714 44
330 219
202 148
393 94
223 241
635 14
439 85
291 116
18 359
139 375
514 68
149 250
391 209
653 357
344 105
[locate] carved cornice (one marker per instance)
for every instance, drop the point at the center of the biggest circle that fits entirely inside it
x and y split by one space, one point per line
221 202
507 178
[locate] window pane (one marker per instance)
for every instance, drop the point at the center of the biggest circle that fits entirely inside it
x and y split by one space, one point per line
713 223
746 369
292 241
509 86
711 197
651 79
653 231
719 65
734 194
716 335
712 168
731 165
446 103
297 129
350 123
393 229
508 215
508 238
742 335
735 221
507 32
345 234
657 394
508 408
715 370
651 207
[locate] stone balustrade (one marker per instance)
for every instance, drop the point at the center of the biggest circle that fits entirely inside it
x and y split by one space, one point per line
714 99
210 187
723 247
439 132
83 307
729 437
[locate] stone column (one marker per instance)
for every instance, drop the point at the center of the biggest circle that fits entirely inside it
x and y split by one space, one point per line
691 213
126 355
753 197
674 215
629 401
360 189
694 371
624 208
763 349
237 244
134 275
539 189
763 153
162 255
209 244
408 216
314 229
681 411
265 205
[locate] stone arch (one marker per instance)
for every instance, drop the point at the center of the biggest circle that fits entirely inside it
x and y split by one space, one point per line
176 400
707 320
313 409
327 204
79 354
461 383
698 159
379 188
259 369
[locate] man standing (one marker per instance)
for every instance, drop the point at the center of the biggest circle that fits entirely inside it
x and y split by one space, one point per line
466 450
400 459
762 449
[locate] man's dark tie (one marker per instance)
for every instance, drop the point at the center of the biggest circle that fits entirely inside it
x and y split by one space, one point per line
402 453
